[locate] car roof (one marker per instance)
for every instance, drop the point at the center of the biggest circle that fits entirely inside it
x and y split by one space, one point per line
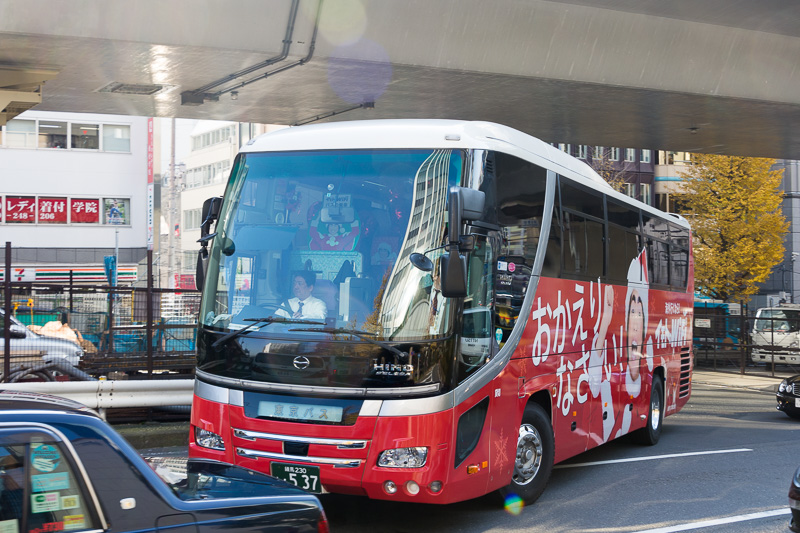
15 400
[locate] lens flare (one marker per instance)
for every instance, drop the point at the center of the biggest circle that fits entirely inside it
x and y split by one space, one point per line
514 504
341 22
360 72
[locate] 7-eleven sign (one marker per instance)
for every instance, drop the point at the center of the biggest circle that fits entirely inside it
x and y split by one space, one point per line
23 274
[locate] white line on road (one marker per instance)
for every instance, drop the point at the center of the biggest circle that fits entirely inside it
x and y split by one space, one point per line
718 521
652 458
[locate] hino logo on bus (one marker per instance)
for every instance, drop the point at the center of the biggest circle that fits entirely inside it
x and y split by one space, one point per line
300 362
389 369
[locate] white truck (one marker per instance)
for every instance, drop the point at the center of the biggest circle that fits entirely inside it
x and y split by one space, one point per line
776 335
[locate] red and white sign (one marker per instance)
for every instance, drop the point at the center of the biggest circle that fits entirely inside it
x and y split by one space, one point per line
85 210
20 209
52 210
150 198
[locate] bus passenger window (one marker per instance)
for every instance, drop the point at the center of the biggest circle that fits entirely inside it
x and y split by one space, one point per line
478 344
551 268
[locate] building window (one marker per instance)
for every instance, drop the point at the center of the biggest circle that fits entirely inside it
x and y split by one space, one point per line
84 210
67 135
644 190
52 134
191 219
116 211
218 136
614 154
85 136
598 152
116 138
630 155
20 209
564 147
629 189
582 151
20 134
647 156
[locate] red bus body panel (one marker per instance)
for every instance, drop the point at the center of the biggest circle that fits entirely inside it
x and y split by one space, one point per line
552 361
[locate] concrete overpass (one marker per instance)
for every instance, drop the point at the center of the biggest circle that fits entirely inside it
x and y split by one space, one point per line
715 76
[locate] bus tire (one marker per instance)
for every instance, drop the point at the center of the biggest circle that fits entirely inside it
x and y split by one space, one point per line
535 452
651 432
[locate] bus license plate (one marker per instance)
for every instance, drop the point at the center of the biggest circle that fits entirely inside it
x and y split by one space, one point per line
301 476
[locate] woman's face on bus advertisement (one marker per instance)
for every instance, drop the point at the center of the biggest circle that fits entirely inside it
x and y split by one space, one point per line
635 326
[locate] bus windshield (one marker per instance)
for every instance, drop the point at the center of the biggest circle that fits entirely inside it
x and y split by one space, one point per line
315 245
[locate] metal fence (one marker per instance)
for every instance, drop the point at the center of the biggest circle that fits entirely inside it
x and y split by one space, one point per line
737 340
90 332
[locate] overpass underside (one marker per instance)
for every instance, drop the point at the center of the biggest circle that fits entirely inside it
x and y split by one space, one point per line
716 77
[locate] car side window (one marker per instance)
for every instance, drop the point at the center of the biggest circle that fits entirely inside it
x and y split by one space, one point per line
39 489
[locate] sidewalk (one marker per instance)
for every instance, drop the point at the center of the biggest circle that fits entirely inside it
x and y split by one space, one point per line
733 379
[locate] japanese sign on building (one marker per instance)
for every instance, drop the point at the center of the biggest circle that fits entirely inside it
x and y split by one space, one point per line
63 210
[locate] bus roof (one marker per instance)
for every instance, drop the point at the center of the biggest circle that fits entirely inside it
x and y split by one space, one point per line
436 133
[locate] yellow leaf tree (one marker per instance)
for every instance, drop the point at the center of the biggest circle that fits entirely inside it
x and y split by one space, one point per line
733 204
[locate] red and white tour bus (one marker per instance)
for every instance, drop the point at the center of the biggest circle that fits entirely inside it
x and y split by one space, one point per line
431 310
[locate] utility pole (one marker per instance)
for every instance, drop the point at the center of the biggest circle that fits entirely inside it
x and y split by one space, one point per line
174 213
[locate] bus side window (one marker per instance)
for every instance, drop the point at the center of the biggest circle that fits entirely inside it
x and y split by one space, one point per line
477 343
551 268
520 190
582 217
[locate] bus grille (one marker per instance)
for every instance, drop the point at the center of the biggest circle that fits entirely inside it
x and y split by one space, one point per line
686 372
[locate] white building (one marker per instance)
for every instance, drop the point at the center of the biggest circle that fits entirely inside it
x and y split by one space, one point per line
73 189
214 145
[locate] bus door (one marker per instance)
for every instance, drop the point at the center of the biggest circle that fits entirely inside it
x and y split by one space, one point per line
476 347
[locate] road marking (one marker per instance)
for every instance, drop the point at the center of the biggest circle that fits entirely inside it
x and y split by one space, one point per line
718 521
652 458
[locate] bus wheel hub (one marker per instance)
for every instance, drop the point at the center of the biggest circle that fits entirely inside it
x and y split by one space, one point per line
529 454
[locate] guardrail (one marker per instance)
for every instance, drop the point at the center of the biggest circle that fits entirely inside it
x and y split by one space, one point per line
105 394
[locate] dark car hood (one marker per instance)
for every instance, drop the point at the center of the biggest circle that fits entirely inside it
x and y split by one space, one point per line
212 480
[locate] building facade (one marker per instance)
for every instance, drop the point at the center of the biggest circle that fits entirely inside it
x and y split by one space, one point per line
73 190
213 148
629 170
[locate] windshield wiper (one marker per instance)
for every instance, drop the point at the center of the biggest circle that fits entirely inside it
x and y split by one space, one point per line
263 322
363 335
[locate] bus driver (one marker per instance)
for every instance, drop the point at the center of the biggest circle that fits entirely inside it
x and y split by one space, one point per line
303 305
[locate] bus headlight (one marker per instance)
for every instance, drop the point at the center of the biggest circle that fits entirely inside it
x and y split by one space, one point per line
404 457
207 439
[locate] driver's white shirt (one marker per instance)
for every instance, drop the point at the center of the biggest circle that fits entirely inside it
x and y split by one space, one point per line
312 308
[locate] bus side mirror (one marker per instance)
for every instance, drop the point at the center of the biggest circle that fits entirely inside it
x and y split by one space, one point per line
453 274
209 215
200 268
465 204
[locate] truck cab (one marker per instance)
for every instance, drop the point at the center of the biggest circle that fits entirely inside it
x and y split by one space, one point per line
776 335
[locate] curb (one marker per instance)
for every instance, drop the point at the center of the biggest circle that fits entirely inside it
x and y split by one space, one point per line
770 389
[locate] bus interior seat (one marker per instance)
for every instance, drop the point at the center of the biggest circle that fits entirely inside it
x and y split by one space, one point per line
325 290
354 298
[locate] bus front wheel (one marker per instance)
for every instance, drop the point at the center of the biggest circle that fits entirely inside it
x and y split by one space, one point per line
650 434
533 462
